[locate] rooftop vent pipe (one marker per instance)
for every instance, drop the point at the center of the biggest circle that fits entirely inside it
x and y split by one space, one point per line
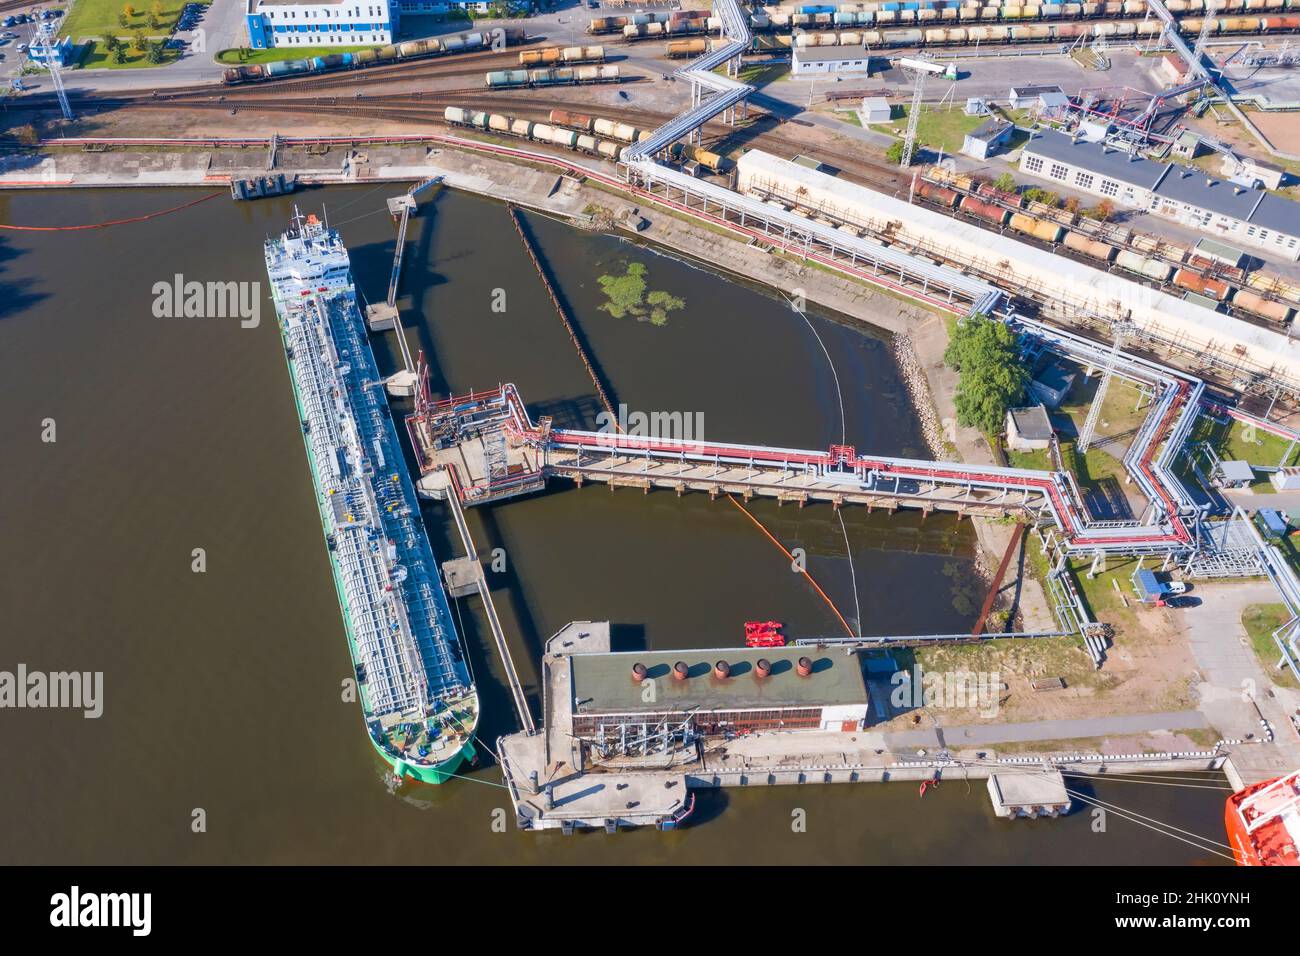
805 666
680 671
638 672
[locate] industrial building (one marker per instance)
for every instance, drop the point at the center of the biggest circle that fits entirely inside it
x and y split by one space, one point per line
983 141
1252 217
822 61
280 23
876 109
1028 429
1068 287
732 690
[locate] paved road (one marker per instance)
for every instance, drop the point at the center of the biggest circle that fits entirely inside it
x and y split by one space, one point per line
1233 680
975 735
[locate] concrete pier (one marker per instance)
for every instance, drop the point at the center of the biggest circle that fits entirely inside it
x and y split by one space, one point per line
556 784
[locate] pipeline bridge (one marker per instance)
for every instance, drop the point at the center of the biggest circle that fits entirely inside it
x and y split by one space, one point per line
485 447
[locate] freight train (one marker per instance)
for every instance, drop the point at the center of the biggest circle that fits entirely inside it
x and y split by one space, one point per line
589 134
550 133
1026 33
627 133
548 56
785 19
559 76
1257 294
393 53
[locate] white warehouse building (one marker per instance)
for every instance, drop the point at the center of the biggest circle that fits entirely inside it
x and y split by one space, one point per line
321 23
1254 218
1076 289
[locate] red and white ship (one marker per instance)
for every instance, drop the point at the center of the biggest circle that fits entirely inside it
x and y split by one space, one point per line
1263 823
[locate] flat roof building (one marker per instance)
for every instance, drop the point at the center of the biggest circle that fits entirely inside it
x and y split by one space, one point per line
876 109
813 60
320 23
728 690
983 141
1027 97
1183 194
1029 428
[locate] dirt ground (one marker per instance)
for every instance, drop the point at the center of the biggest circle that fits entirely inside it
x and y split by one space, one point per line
1148 669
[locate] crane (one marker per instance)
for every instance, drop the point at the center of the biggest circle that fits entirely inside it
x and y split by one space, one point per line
913 117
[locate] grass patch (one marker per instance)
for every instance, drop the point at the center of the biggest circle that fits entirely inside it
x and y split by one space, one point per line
944 129
251 57
97 57
1037 459
99 18
1105 603
1260 621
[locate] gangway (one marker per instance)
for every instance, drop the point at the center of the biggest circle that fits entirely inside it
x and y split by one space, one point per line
494 622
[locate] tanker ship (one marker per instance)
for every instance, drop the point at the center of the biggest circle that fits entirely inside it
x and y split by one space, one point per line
416 693
1263 822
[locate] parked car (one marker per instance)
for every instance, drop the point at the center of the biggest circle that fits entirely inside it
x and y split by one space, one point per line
1177 587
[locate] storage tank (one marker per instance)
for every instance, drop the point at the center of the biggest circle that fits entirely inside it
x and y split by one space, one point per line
522 127
1092 248
1256 304
984 210
499 123
1038 228
1144 265
454 114
1195 282
587 142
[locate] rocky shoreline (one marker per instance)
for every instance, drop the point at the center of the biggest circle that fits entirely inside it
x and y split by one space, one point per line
918 389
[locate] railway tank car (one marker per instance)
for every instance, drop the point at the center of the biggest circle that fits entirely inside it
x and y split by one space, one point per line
375 56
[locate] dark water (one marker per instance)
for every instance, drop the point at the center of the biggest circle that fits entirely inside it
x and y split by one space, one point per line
222 688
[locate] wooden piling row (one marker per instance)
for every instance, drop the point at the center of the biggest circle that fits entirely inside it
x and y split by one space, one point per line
564 314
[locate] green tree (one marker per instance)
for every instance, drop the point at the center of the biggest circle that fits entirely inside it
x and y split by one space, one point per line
111 43
119 54
993 378
138 41
895 152
155 52
1006 182
123 20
